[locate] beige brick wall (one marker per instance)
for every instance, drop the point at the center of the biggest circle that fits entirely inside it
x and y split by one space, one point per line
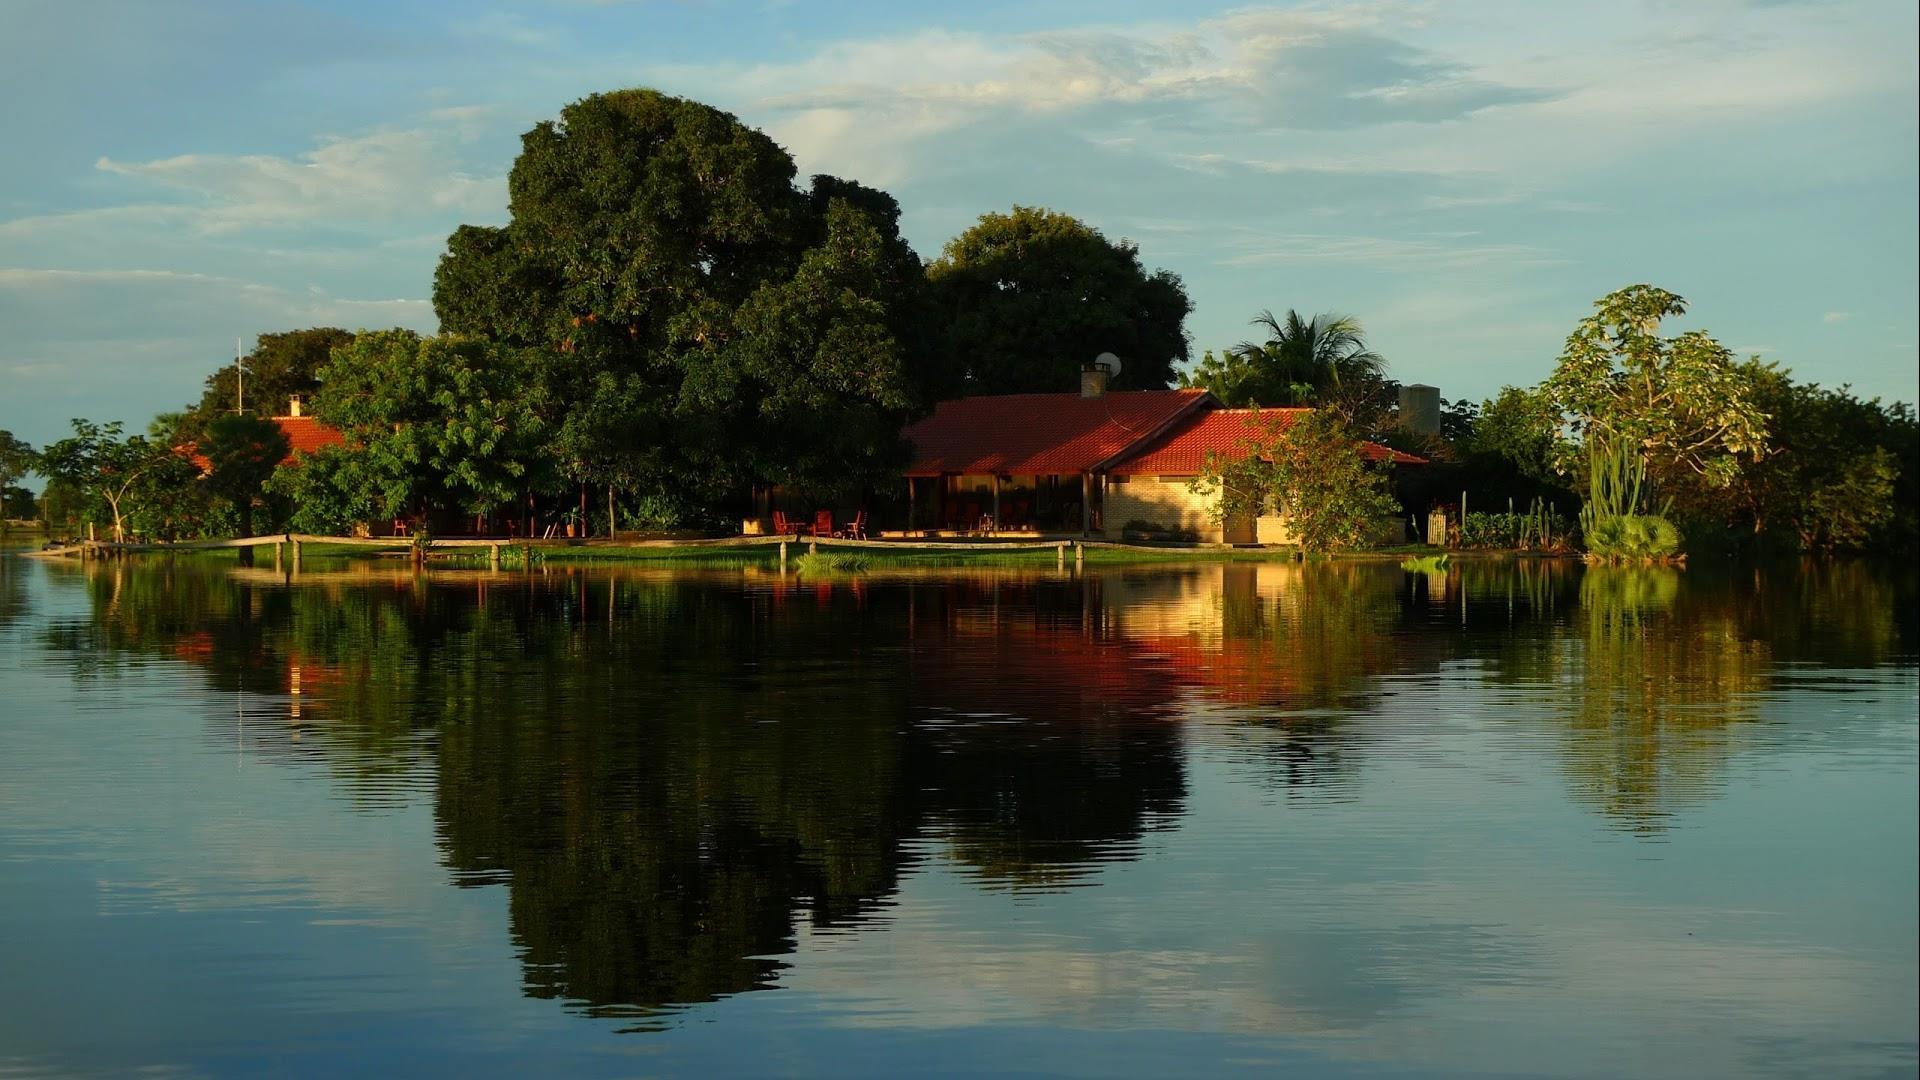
1166 500
1272 529
1163 500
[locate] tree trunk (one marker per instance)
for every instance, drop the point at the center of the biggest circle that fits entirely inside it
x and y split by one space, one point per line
245 506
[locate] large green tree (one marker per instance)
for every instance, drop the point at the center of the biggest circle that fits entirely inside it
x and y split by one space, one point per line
712 325
1324 360
1026 298
280 367
441 422
105 464
242 452
17 459
1679 404
1836 472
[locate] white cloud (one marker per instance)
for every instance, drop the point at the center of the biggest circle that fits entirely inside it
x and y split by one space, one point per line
1832 317
376 177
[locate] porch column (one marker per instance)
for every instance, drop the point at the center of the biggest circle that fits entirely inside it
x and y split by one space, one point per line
996 502
1086 504
910 503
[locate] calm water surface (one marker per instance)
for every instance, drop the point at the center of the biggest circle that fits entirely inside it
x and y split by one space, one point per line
1325 820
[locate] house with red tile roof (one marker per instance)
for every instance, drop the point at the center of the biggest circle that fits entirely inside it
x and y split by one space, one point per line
305 434
1031 461
1096 463
1152 486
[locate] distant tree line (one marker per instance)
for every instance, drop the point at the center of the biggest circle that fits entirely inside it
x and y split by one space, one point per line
669 319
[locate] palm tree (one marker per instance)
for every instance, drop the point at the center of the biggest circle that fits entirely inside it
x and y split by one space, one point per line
1307 361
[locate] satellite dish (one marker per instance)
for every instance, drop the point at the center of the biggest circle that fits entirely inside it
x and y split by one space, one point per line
1109 361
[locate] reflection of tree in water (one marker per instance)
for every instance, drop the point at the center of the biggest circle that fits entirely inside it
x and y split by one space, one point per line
666 774
13 589
1835 613
662 794
1661 680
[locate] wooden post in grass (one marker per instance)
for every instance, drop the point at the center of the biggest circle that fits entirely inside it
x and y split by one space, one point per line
1060 553
493 557
783 556
277 546
297 545
1079 556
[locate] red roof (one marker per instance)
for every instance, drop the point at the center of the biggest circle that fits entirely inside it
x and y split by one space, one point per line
306 434
1230 433
1042 434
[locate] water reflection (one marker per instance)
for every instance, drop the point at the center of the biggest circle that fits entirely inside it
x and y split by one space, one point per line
675 776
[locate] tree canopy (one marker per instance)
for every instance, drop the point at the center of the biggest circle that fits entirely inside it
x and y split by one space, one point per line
242 452
1835 473
429 422
1026 298
713 324
1324 360
1678 402
280 367
17 459
97 460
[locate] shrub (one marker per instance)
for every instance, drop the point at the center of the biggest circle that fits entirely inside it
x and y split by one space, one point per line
1633 536
828 563
1538 529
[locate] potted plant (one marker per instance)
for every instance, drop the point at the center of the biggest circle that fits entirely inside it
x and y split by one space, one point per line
572 521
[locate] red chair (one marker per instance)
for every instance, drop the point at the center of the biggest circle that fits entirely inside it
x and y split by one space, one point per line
783 526
823 523
856 529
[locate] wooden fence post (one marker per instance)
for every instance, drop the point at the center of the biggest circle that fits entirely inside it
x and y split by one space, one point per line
297 545
493 557
1079 555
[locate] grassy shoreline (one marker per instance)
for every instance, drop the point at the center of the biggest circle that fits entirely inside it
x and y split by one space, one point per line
709 556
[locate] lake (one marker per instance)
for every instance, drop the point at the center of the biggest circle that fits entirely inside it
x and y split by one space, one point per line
1320 819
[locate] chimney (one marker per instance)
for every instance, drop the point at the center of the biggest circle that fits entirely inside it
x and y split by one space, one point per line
293 405
1093 381
1420 408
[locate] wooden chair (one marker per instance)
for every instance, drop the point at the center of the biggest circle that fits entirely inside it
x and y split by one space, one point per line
823 523
856 529
784 527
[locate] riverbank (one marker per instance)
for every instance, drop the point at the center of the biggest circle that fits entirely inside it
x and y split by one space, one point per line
758 550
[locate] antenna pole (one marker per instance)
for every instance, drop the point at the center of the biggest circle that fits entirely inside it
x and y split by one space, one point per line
239 381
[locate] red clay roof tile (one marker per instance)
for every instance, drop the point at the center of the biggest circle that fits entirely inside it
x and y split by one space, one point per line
1183 451
1041 434
306 434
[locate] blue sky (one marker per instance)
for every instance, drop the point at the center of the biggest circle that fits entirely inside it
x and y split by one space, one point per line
1464 177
